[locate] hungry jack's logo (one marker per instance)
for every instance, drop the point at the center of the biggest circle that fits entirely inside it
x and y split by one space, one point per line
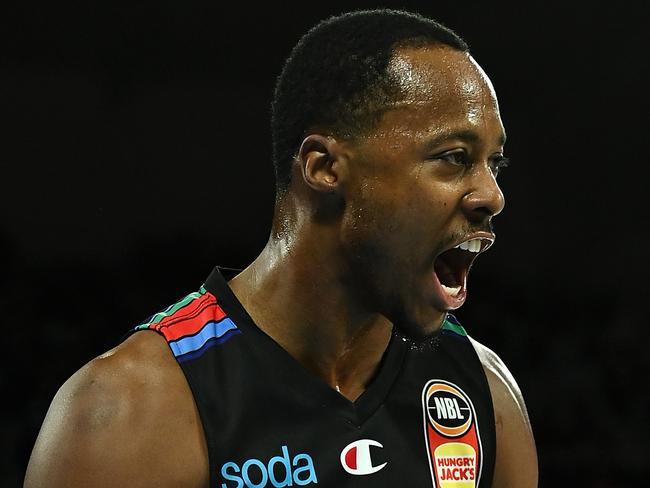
451 436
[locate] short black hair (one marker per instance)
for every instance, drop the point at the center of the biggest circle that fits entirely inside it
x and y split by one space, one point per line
335 78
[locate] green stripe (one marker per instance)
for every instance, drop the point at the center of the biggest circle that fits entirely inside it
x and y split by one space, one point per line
172 308
458 329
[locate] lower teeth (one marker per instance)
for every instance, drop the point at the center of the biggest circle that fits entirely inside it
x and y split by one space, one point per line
451 290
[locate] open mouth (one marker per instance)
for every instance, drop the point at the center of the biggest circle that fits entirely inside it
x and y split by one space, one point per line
452 267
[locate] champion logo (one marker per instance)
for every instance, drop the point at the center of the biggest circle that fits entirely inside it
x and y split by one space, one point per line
356 459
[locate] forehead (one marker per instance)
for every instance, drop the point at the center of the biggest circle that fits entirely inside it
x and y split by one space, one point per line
441 89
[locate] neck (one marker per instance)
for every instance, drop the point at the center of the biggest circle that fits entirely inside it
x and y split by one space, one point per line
295 293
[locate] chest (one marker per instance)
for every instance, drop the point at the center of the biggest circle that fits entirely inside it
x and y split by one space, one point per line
429 427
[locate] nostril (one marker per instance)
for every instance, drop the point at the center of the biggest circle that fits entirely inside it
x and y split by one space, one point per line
480 215
484 211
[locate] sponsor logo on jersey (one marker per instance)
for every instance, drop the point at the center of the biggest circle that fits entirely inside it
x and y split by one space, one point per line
356 459
451 436
280 471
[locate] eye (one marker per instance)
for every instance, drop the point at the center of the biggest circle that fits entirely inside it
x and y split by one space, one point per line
457 157
499 162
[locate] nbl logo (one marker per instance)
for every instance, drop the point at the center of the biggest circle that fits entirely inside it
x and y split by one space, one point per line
451 436
448 410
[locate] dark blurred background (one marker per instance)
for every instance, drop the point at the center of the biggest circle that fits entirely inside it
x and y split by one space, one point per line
135 156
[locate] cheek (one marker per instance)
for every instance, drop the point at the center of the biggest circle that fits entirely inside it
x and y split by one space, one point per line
394 230
367 231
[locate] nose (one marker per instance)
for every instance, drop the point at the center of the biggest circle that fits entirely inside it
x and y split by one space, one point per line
484 198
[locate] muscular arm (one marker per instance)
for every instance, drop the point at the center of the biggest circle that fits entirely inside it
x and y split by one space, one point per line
516 456
126 419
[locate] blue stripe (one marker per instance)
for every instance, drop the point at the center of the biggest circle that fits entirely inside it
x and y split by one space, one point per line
211 330
211 342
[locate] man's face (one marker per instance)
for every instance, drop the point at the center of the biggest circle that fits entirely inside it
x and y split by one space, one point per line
422 183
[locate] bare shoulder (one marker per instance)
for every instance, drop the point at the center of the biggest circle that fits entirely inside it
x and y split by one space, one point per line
127 418
516 457
499 377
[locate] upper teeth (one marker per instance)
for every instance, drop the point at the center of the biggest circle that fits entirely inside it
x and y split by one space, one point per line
473 245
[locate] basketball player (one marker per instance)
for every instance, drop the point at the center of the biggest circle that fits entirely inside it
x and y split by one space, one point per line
333 358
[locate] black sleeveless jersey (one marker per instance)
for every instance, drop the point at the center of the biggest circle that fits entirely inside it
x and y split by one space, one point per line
426 419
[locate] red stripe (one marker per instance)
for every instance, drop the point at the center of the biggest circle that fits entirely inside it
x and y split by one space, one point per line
189 310
191 325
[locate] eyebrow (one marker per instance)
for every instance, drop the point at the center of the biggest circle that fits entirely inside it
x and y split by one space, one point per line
463 135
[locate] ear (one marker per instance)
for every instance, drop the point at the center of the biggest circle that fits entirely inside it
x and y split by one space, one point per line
322 163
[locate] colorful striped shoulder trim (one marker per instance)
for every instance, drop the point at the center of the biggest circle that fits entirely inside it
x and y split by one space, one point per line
192 325
452 325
